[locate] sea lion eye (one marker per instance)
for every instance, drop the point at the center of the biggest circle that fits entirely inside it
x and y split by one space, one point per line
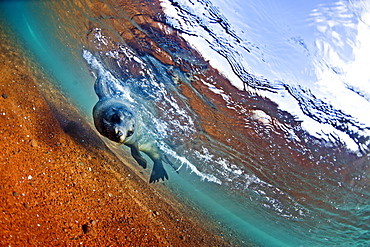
116 118
130 133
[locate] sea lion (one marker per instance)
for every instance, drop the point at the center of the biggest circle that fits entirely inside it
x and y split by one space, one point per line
115 119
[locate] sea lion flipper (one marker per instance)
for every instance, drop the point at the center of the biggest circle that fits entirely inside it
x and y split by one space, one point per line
158 172
101 89
135 153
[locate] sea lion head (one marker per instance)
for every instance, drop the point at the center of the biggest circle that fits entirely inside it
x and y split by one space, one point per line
115 121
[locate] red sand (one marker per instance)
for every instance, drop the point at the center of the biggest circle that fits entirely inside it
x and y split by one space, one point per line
61 185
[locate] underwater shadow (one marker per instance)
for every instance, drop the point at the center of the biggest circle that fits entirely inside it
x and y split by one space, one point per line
74 125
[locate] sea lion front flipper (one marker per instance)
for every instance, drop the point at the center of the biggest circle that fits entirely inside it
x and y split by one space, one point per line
135 153
158 172
154 154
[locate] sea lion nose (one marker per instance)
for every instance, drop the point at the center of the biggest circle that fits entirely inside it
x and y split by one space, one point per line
118 132
121 134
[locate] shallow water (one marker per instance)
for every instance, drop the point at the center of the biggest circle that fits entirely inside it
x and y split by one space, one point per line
249 162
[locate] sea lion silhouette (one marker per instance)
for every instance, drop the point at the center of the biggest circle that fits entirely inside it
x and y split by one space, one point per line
115 119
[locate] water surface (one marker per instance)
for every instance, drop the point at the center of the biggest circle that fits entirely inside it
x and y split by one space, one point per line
270 148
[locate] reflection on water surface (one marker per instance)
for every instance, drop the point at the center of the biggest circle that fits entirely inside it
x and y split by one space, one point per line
231 140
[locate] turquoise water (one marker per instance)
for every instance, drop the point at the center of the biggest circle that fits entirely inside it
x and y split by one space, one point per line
51 53
246 163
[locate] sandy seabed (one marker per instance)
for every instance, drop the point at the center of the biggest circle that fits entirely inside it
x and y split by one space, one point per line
60 184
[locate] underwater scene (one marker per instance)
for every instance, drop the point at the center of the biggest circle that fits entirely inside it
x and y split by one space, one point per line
260 108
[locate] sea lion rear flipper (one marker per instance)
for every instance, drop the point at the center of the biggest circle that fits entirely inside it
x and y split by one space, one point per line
100 88
170 163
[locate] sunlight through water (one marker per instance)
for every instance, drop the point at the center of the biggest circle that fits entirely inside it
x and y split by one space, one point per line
261 107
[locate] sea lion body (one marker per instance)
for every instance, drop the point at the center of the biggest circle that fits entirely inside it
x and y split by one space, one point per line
115 119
